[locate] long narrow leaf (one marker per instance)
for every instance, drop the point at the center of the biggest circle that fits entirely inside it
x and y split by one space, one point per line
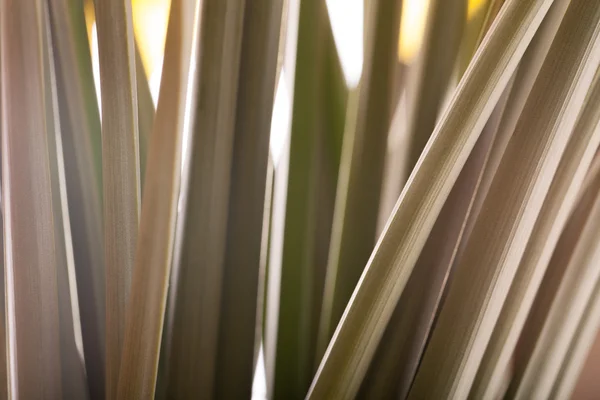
551 220
80 129
154 251
74 383
31 265
245 222
428 83
579 349
120 169
524 80
302 200
361 167
145 112
397 358
197 306
392 262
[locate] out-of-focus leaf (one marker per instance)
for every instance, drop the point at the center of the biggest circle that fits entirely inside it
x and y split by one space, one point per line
243 285
3 350
215 325
361 167
120 169
32 309
429 78
304 190
154 252
475 30
145 112
74 382
396 253
81 138
296 273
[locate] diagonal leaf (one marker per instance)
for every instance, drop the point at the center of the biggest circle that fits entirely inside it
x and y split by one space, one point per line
429 79
391 264
550 223
361 167
524 80
565 313
487 267
396 360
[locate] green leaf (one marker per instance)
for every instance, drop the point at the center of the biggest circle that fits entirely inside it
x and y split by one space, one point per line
361 167
304 189
80 130
551 220
429 78
397 358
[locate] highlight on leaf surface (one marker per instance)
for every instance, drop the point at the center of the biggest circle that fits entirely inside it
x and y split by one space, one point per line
286 199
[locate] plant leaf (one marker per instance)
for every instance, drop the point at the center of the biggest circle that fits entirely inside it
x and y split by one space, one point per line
154 250
32 309
361 167
120 169
429 79
565 313
392 262
487 267
81 138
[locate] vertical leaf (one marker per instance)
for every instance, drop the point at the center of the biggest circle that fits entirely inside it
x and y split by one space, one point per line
145 112
154 250
361 166
429 79
237 340
302 179
120 168
74 383
30 257
192 365
80 129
